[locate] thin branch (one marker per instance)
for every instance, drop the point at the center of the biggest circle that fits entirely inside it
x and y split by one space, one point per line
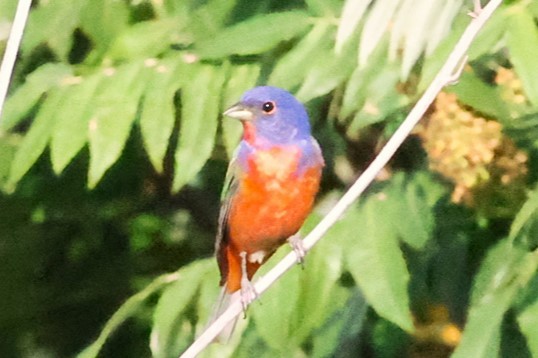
12 47
125 311
444 77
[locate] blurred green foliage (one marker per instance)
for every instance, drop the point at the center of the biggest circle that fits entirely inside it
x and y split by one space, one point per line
113 154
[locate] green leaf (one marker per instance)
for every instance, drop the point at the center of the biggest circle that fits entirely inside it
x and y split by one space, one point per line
524 130
255 35
490 35
53 22
480 96
158 113
7 12
387 340
320 293
504 271
527 318
418 27
143 40
505 266
37 138
442 23
323 8
414 25
356 89
434 61
292 68
207 298
522 42
171 331
114 110
200 101
352 13
277 329
19 104
240 79
329 71
526 216
375 27
382 98
72 117
251 342
338 334
533 8
103 20
208 19
128 309
8 148
376 262
415 196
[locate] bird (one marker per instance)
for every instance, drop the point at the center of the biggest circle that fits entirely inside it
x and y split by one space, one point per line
269 190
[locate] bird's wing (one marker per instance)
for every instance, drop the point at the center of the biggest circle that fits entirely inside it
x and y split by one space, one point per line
228 191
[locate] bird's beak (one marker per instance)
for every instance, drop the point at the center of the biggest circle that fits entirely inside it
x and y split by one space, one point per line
239 111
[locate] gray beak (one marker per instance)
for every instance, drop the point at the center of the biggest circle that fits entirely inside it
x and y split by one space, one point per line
239 111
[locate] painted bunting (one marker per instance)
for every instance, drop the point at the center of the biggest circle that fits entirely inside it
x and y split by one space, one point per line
270 186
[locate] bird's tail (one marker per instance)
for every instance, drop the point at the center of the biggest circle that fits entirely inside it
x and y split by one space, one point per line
224 301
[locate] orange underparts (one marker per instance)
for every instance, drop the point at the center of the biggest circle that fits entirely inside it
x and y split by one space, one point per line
271 204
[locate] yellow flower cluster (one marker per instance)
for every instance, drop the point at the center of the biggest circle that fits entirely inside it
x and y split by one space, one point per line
511 89
473 153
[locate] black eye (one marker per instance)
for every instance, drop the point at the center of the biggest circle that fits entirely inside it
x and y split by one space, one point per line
268 107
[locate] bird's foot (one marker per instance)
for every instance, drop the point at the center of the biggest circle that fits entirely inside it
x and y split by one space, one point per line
248 292
296 244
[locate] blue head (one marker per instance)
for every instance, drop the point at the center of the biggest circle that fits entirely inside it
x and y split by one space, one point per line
272 115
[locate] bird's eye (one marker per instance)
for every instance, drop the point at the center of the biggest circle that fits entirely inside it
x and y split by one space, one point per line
268 107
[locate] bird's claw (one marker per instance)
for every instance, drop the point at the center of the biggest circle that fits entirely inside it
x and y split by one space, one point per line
477 9
248 292
296 244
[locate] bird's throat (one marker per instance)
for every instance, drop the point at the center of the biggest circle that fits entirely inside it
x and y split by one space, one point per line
249 132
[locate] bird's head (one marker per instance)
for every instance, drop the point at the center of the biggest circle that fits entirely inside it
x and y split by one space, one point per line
272 115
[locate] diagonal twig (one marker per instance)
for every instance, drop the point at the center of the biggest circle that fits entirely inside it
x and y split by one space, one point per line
444 77
12 47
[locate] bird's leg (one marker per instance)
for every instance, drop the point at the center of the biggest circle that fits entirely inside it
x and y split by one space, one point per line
297 245
248 293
